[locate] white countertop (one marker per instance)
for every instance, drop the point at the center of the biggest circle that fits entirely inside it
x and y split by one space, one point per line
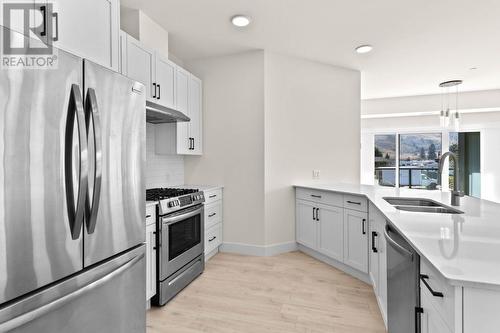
465 248
201 187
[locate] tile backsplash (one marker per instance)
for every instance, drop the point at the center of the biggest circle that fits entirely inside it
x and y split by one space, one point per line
161 170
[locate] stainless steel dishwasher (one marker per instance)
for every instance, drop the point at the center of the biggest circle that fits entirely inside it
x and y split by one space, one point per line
403 288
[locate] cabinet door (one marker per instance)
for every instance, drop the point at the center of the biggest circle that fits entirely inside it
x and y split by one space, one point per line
89 29
431 321
165 81
306 226
150 261
140 65
356 240
382 266
123 53
330 233
195 113
374 263
182 101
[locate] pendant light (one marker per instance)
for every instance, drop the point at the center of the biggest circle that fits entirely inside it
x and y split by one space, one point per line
445 116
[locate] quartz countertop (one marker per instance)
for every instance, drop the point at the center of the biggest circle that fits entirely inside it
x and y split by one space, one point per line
202 187
464 248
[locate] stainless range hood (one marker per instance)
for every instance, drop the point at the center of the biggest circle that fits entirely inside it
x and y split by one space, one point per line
158 114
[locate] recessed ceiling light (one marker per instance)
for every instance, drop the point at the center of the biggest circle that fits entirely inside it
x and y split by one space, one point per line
240 20
364 49
473 68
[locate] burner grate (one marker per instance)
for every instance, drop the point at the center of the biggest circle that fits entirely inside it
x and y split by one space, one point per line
157 194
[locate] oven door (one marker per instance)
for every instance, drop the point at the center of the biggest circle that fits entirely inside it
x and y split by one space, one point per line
182 241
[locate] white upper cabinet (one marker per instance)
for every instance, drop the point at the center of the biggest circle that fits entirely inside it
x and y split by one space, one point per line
139 65
170 86
164 82
184 142
89 29
195 125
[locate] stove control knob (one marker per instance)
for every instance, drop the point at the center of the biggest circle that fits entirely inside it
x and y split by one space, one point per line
171 204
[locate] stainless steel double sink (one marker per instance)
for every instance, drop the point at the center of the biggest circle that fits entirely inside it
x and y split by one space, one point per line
420 205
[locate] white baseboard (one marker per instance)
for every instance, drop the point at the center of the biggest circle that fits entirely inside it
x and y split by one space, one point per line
258 250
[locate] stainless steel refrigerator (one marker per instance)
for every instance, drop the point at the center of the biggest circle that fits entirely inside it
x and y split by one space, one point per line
72 154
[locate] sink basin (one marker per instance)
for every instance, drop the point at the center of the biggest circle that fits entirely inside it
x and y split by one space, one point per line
427 209
420 205
413 202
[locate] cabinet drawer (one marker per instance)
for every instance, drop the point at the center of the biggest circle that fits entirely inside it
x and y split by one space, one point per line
213 238
213 214
213 195
150 214
324 197
445 305
355 202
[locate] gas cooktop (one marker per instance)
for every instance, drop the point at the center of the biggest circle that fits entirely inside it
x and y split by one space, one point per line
173 199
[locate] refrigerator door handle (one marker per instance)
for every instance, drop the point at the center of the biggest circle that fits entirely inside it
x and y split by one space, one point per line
47 308
92 114
75 213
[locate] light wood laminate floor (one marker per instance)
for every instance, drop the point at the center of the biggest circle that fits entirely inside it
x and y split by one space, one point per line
291 292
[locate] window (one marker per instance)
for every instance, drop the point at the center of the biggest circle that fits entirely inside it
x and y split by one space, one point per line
419 156
466 145
385 159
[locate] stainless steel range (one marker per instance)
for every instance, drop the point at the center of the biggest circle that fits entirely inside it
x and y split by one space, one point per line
180 244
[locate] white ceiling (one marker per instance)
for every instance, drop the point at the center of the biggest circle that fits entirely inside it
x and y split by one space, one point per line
418 43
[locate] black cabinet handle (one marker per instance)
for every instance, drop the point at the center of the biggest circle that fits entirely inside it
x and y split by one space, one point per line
424 279
354 202
316 196
43 9
56 18
159 91
363 226
317 214
212 196
211 215
418 315
148 216
314 216
374 248
211 239
154 90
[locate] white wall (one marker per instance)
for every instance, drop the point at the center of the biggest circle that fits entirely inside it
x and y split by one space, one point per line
233 141
487 123
161 170
269 120
143 28
312 122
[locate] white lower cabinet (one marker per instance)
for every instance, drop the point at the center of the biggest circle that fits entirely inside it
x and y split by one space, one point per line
378 258
330 233
356 240
213 221
431 320
336 232
150 252
306 227
150 261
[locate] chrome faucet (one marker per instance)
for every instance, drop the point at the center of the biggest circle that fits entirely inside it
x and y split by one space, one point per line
456 193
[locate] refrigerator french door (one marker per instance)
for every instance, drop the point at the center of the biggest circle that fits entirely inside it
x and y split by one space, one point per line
71 199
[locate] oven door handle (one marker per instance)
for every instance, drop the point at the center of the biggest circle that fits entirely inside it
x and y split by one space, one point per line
177 218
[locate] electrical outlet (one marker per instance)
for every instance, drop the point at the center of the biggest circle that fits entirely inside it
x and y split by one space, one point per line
315 174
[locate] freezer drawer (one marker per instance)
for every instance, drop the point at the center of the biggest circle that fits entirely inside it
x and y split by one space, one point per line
106 298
